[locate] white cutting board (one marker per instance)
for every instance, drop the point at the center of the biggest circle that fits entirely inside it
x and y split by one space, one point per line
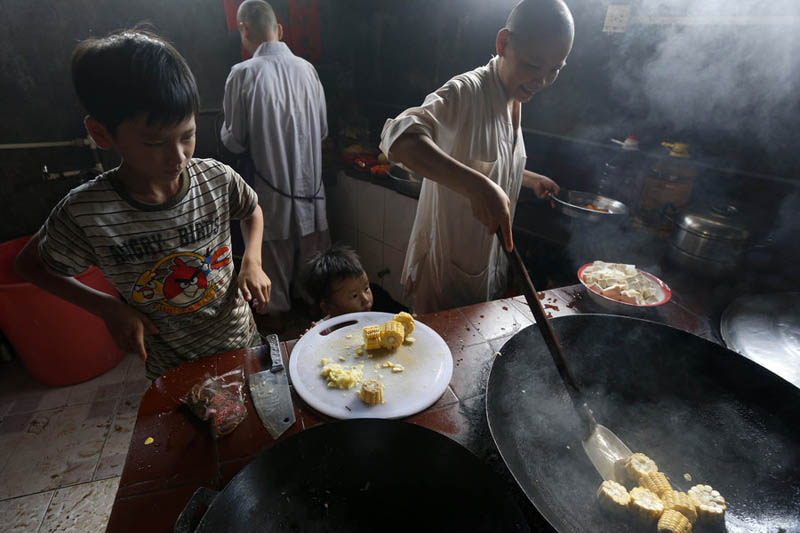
428 367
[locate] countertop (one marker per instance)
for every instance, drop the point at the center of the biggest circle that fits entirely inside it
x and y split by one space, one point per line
158 479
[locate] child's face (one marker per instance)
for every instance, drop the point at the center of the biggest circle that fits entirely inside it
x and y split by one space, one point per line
349 295
153 153
530 63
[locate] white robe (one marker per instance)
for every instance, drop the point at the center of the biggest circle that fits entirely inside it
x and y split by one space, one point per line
451 259
275 108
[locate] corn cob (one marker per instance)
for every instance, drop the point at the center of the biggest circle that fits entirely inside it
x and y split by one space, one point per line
407 321
672 521
680 501
655 482
638 465
371 392
709 503
392 334
372 337
646 504
613 497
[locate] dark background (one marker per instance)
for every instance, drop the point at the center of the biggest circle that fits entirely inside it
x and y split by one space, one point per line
728 90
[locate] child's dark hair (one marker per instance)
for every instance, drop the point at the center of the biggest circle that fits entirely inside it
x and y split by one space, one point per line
130 73
334 264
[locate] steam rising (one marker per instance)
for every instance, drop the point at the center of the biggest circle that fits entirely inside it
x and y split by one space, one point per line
734 66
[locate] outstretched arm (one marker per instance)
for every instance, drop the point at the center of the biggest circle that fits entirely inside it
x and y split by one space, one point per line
126 325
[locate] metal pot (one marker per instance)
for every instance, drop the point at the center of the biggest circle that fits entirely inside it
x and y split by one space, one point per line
711 243
690 404
360 476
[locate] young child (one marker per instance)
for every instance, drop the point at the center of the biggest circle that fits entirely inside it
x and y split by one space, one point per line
157 226
337 282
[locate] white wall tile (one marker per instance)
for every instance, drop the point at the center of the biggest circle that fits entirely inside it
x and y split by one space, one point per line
398 219
342 204
371 208
371 252
393 259
347 235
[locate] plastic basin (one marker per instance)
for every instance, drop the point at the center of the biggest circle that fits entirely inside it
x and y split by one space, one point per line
58 342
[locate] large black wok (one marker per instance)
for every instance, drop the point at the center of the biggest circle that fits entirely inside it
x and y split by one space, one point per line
691 405
364 475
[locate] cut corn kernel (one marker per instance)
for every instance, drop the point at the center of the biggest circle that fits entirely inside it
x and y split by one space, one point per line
372 337
655 482
646 504
371 392
613 497
392 334
709 504
680 501
672 521
638 465
406 320
340 377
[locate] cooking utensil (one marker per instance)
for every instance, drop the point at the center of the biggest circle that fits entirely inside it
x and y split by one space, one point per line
709 242
427 362
663 292
601 445
573 204
362 476
692 405
269 390
766 329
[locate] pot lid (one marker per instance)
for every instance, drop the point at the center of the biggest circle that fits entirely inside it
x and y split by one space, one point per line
718 223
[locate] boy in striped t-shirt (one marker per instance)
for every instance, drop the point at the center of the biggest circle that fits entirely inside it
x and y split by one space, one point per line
157 226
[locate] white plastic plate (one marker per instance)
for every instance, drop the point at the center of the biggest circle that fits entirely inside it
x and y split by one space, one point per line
428 367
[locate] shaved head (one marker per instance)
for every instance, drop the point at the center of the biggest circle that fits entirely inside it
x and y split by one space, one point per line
551 17
259 18
533 47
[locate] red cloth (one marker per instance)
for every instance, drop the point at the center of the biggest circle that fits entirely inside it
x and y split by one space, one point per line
302 34
230 7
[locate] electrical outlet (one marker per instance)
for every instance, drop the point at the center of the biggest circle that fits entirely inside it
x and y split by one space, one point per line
617 16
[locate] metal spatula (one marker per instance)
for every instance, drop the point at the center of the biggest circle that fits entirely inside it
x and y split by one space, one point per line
602 446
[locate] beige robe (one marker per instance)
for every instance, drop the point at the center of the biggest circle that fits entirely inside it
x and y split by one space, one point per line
451 259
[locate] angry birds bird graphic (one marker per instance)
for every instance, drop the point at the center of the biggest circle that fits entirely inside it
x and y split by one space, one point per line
147 288
188 281
185 285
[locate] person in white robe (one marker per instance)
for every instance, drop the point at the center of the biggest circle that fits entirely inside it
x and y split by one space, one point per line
275 109
466 139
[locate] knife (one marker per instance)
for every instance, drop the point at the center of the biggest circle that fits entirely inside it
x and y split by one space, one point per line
269 390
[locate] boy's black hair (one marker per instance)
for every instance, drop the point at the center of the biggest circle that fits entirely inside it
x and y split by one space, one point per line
334 264
130 73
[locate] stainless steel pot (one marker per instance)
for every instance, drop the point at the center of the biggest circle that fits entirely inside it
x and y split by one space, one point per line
710 243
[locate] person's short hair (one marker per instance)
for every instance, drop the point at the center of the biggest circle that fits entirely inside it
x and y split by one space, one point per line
130 73
329 266
259 17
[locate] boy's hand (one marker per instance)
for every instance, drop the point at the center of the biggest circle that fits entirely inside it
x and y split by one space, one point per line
492 207
255 285
127 327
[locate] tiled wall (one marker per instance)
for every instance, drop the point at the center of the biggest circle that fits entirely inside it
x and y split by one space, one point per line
376 221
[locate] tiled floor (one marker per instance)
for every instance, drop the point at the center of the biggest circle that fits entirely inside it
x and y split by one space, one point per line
62 449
